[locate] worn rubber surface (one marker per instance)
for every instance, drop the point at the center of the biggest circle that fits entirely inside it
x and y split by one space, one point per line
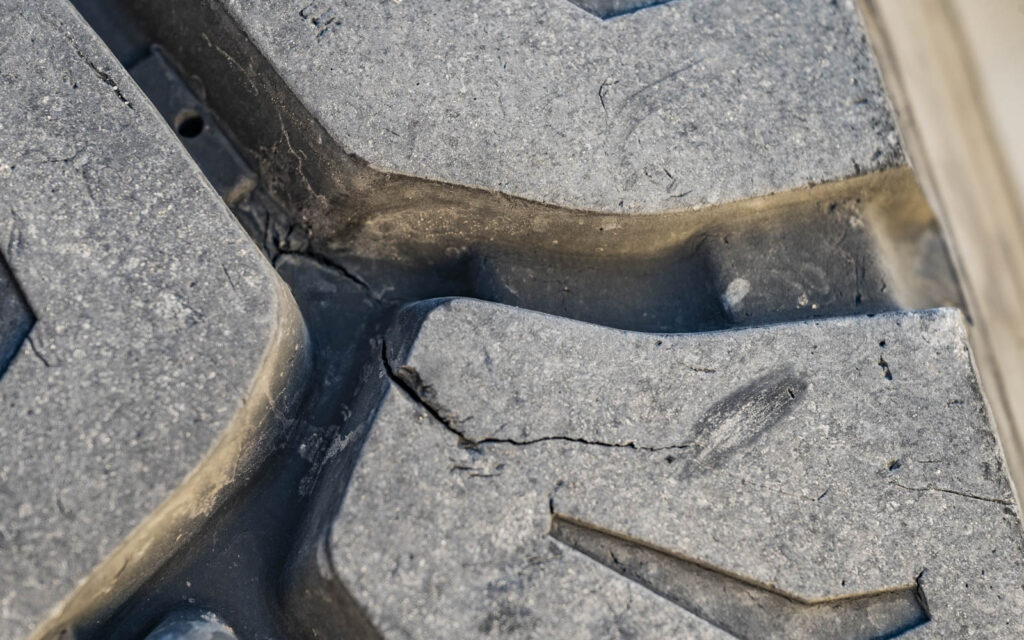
554 319
146 392
776 482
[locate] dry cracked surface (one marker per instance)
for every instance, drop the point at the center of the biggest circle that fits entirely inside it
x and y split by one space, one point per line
778 466
320 441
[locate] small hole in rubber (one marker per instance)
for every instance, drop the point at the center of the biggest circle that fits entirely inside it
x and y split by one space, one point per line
189 124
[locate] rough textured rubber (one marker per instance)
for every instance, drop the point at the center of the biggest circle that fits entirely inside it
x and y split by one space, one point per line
834 479
163 341
682 104
182 462
350 200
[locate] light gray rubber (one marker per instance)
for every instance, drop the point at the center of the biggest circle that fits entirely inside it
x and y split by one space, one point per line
172 437
530 476
681 104
163 341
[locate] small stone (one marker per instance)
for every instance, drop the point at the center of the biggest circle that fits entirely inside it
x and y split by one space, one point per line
192 625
